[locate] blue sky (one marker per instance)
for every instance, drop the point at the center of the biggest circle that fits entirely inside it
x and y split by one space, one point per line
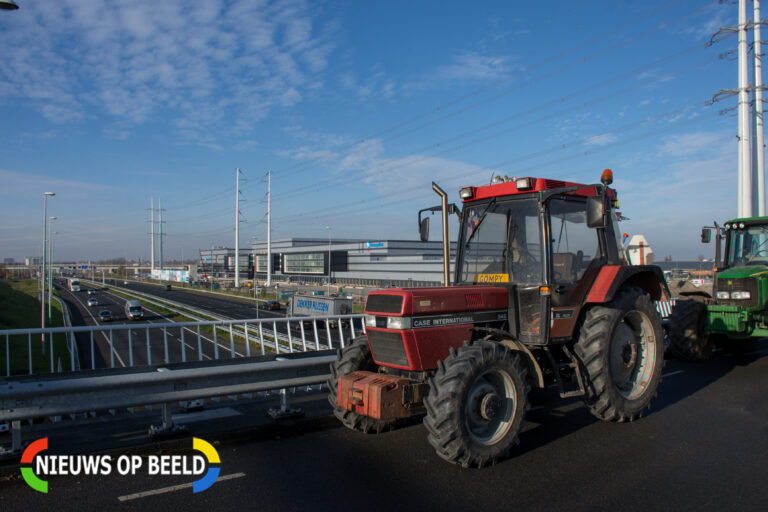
355 107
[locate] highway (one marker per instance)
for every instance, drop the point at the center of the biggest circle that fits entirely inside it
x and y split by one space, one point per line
122 350
702 446
234 308
119 354
217 304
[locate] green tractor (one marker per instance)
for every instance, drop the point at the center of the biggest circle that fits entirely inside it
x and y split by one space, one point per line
737 312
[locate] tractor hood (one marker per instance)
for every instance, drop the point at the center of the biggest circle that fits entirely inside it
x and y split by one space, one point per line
743 271
439 300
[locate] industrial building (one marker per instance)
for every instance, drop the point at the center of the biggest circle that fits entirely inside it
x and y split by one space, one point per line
343 261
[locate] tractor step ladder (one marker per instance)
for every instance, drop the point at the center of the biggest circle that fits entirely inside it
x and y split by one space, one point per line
573 367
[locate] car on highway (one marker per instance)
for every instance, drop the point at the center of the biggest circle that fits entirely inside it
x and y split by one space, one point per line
271 305
93 301
91 292
167 287
105 315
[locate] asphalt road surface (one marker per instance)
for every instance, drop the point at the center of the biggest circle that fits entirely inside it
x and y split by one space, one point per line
217 304
119 347
144 345
240 309
702 446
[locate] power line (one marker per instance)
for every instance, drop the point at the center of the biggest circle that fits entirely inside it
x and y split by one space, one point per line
286 173
414 159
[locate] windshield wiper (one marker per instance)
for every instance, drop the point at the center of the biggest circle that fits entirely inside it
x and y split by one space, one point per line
480 221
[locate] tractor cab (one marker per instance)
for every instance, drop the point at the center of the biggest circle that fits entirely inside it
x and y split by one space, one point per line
532 236
746 242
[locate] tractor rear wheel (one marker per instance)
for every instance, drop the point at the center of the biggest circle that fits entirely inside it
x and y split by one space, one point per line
354 357
476 404
621 347
690 340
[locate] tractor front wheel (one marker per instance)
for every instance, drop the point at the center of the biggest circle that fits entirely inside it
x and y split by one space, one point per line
690 340
354 357
476 404
621 347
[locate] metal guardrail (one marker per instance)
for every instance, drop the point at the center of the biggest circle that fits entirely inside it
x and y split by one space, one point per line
225 338
184 341
31 397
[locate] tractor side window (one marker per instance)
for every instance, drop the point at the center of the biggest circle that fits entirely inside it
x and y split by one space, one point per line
574 245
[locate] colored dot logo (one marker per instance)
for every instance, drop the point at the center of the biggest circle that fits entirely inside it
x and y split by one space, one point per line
213 458
28 473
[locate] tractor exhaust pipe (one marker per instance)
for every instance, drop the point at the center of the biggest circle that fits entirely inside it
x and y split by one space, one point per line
446 239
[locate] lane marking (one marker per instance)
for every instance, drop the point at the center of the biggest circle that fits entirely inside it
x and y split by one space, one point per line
173 488
671 373
97 324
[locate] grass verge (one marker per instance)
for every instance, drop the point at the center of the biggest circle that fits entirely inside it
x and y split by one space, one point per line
20 309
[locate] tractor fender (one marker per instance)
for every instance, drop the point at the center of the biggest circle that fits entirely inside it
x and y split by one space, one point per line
611 278
534 370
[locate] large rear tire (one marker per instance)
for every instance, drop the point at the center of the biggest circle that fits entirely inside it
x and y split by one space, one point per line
476 404
689 338
354 357
621 347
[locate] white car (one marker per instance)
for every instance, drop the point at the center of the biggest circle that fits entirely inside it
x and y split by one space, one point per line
93 301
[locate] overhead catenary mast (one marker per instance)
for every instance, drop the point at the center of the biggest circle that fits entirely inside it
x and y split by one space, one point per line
160 229
152 233
269 228
237 228
745 169
758 150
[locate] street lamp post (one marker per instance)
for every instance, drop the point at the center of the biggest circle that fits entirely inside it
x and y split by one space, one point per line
50 264
329 258
45 232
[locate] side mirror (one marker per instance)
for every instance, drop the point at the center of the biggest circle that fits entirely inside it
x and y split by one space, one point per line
597 212
706 235
424 229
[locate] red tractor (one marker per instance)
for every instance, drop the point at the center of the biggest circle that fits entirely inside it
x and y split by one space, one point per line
542 296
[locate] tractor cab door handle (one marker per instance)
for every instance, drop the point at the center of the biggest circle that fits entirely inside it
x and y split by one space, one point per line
561 289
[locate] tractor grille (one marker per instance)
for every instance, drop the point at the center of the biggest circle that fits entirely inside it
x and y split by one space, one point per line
384 303
387 347
747 284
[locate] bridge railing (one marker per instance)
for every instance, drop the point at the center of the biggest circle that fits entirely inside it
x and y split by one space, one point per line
34 351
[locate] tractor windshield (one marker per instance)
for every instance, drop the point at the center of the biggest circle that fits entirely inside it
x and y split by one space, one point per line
748 246
501 243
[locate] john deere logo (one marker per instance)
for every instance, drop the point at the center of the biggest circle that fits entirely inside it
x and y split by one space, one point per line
35 465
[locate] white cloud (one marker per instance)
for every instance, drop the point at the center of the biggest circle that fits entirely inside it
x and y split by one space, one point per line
693 143
473 66
192 63
377 85
601 140
17 184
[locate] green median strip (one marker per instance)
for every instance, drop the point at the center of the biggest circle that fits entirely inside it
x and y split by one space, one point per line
178 317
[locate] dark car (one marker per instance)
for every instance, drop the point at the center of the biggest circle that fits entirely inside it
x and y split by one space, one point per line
105 315
167 287
271 305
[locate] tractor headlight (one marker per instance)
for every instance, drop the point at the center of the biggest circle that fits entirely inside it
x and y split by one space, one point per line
523 183
398 322
723 295
741 295
370 321
467 193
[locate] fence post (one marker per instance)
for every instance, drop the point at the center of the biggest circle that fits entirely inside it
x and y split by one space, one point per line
285 410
